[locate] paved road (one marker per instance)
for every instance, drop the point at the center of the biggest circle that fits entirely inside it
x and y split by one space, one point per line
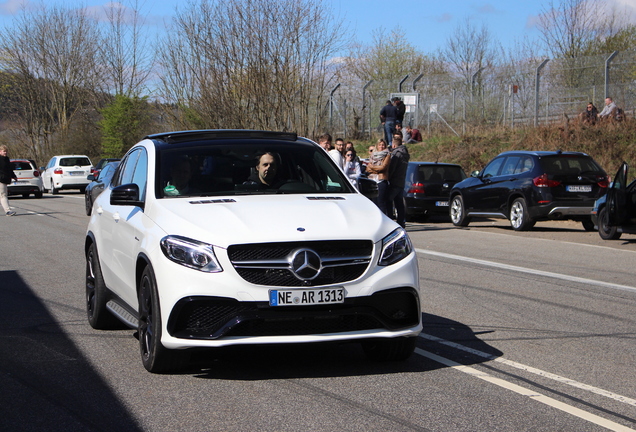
523 332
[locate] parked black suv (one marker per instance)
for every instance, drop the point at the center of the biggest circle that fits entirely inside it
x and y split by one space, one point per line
615 213
427 187
530 186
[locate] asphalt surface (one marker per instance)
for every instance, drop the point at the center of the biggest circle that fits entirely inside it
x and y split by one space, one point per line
526 331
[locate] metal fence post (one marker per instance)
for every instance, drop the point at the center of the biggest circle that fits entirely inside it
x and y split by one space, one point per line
402 82
607 66
536 91
331 107
364 107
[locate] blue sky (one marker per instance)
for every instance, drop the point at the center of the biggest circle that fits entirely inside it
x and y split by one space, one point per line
427 24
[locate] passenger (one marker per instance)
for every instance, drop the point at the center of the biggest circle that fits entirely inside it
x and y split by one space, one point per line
378 169
180 176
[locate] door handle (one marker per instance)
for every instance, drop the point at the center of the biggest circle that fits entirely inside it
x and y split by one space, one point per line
116 217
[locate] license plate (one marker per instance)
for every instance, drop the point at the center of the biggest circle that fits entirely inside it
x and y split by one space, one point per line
587 188
76 173
19 182
306 297
441 203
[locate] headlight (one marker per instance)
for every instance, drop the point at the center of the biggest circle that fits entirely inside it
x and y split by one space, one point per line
395 247
190 253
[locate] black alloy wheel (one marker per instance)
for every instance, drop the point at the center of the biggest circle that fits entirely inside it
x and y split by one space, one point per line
99 317
604 230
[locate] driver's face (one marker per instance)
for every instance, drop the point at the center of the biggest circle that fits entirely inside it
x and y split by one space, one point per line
266 168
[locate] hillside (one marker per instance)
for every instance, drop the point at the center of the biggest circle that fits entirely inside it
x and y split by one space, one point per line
608 144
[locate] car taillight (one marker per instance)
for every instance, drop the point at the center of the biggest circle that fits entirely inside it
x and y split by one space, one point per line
543 181
417 188
603 182
36 173
58 171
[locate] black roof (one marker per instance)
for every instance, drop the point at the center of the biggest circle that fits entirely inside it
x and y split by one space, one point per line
209 134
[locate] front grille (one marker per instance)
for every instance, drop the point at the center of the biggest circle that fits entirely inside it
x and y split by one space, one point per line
214 317
270 263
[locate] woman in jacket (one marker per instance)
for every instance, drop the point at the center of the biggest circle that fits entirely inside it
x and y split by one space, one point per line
6 175
378 169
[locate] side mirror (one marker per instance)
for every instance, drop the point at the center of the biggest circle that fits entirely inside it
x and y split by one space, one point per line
90 177
126 195
475 173
368 187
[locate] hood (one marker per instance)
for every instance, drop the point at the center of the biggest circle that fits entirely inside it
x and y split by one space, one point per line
271 218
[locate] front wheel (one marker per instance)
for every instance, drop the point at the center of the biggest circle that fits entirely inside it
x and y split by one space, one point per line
96 294
395 349
154 356
519 217
457 212
606 231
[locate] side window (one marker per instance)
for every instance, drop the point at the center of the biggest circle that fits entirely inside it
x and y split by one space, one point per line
510 165
141 173
525 164
492 169
125 170
51 163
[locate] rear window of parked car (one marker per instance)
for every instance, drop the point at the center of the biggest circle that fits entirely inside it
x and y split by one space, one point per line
572 165
67 162
22 166
428 173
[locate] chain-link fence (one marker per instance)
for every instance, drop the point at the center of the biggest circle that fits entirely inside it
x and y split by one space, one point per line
536 92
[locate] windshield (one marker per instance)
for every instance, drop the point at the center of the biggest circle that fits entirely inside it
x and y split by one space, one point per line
572 165
246 168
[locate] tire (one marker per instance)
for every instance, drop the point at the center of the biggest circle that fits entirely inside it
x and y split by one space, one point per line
96 294
154 356
604 230
519 218
53 190
83 189
396 349
457 212
25 195
588 225
38 194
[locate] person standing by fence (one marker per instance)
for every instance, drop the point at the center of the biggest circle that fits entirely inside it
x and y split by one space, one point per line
388 116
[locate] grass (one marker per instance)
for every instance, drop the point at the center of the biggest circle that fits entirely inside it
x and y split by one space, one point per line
608 144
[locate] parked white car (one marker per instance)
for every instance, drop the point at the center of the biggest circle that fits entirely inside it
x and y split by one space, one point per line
213 238
29 180
67 172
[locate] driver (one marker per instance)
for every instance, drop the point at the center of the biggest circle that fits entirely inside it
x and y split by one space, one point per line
266 172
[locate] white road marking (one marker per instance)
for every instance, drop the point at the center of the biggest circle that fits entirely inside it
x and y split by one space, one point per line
584 415
530 369
528 270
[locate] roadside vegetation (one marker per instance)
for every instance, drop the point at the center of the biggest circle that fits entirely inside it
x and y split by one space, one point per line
608 144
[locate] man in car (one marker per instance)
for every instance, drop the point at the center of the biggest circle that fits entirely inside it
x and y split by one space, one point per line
180 175
266 172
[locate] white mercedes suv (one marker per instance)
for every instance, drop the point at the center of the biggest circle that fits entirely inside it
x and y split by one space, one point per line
222 237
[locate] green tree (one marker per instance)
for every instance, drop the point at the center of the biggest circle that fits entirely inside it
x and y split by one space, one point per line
123 123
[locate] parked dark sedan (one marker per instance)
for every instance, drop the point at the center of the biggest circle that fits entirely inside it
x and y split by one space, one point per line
96 186
427 188
615 212
530 186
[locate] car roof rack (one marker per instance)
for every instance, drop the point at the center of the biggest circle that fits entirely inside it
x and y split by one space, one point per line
194 135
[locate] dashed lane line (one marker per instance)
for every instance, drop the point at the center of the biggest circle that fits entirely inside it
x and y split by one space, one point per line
584 415
530 369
